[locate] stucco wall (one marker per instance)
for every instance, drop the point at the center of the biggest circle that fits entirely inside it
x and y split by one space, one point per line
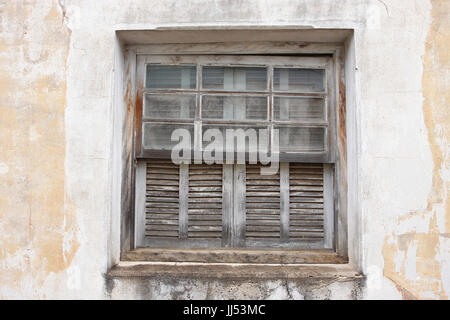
57 233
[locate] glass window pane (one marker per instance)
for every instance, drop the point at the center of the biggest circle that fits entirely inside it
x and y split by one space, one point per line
302 138
234 108
171 77
298 109
158 106
156 136
234 78
250 136
299 80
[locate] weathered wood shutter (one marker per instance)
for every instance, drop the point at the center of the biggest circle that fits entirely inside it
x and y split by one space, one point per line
162 199
205 202
185 206
286 209
306 211
262 204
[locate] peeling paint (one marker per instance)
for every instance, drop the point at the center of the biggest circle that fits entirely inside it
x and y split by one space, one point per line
413 260
38 227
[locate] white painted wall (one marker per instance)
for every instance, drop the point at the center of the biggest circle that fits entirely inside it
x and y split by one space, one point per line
393 176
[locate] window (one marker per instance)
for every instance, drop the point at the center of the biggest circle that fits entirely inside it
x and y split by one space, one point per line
201 205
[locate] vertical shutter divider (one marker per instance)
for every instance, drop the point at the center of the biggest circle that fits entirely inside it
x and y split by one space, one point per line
139 211
328 207
227 204
183 201
238 229
284 201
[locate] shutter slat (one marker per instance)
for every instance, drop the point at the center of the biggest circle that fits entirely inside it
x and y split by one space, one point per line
160 182
205 183
251 200
161 205
161 227
153 222
204 191
162 199
161 188
164 194
156 216
162 234
206 200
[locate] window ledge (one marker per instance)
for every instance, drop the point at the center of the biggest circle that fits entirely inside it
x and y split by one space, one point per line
233 271
255 256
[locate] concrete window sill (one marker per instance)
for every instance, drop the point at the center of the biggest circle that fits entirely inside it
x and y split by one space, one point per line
255 256
233 271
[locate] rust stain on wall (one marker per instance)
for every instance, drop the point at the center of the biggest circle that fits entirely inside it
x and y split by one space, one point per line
427 246
38 228
342 127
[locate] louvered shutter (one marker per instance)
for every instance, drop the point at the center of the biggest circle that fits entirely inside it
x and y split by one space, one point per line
262 220
205 202
162 200
306 211
184 206
285 212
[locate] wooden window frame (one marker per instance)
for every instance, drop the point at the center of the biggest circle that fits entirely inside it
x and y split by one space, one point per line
335 156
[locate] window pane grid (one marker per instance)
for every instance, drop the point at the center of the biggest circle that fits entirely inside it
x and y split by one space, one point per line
169 106
294 79
234 78
291 99
160 76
